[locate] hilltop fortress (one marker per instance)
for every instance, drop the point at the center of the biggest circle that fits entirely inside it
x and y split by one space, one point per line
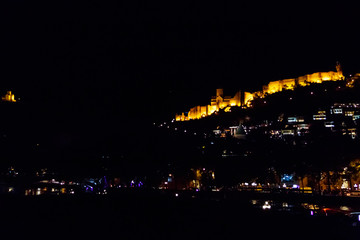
243 99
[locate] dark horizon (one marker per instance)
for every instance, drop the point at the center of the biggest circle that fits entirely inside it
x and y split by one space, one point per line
116 52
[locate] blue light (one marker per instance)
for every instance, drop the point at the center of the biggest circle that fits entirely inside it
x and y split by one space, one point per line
287 178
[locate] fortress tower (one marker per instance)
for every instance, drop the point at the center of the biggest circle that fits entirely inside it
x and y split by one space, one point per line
220 92
339 70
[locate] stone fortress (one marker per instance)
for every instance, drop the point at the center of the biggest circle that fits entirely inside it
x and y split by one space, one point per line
243 99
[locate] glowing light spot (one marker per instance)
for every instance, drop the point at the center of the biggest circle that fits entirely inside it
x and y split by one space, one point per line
266 206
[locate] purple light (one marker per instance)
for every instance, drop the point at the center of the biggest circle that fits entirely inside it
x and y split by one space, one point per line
312 213
105 182
197 190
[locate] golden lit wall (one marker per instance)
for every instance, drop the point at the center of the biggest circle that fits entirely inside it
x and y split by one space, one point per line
177 117
203 111
194 112
259 93
236 100
314 78
278 86
197 112
288 84
211 109
247 98
301 81
273 87
223 104
319 77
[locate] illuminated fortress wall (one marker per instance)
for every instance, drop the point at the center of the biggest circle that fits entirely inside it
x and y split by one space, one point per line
319 77
248 97
244 98
290 84
278 86
216 103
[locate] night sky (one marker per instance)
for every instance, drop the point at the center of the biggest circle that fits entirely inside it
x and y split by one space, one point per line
92 69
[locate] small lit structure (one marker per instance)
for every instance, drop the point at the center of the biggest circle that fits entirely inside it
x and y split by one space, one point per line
285 132
321 115
9 97
295 119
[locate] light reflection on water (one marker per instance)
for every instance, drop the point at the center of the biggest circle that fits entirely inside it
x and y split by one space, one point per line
348 213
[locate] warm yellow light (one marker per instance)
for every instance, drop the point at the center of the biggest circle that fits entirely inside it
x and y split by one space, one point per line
248 97
9 97
220 101
198 174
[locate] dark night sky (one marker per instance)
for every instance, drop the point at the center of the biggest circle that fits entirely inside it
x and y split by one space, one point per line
102 67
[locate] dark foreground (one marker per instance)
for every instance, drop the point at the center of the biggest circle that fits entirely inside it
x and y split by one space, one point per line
139 215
